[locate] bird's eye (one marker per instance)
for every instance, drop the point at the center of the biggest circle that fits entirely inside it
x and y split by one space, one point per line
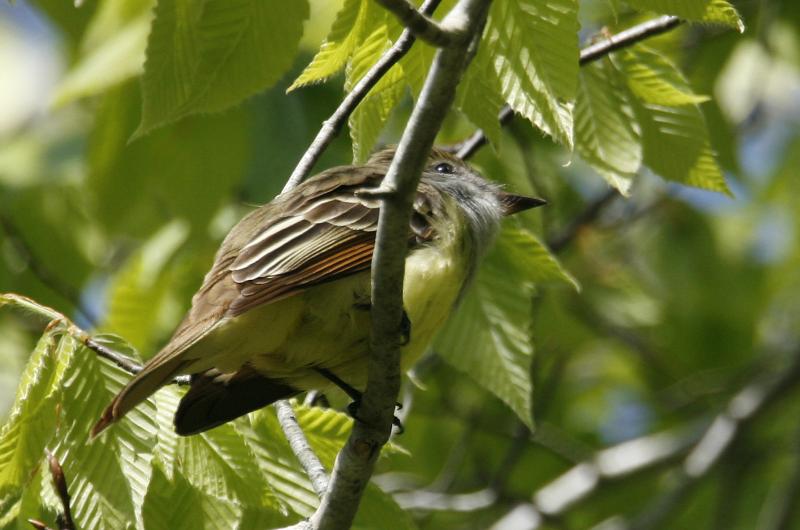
445 168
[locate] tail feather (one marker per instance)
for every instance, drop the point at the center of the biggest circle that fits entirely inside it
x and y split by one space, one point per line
216 398
142 386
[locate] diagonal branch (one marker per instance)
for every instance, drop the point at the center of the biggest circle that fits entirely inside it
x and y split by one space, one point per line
589 54
421 25
333 125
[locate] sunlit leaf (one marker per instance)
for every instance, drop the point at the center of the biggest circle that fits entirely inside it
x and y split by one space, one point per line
34 415
655 79
535 48
369 118
675 138
713 11
345 34
488 338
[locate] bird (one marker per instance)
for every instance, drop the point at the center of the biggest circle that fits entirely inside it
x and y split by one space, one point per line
285 307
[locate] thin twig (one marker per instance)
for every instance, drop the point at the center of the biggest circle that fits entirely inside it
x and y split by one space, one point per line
333 125
64 519
628 37
591 53
301 448
421 25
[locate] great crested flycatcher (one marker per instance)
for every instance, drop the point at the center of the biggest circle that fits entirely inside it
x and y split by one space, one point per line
286 305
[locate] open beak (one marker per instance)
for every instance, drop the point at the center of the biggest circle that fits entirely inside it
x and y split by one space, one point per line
517 203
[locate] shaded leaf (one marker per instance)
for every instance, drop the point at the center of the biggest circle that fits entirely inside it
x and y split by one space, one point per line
139 292
209 55
479 96
112 50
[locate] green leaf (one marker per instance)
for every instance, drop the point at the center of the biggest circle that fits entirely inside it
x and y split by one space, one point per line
479 96
655 79
369 118
528 260
176 503
326 431
417 62
205 56
674 138
220 463
108 477
607 135
139 293
343 38
712 11
32 421
277 462
535 47
489 337
111 52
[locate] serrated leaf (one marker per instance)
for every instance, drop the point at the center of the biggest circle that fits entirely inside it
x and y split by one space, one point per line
535 47
175 503
344 36
674 138
712 11
655 79
369 118
112 50
528 259
205 56
108 477
607 135
138 292
479 96
220 463
32 421
277 462
488 338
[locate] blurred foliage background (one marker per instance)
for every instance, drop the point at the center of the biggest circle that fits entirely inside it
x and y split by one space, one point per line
687 296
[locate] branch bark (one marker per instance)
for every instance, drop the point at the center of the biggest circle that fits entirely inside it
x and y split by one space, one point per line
421 25
301 448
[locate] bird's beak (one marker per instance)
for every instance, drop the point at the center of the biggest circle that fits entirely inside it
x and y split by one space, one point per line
512 204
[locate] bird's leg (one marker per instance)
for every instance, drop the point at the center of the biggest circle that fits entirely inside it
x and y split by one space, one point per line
355 395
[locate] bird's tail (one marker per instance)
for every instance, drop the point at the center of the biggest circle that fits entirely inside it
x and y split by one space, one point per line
153 376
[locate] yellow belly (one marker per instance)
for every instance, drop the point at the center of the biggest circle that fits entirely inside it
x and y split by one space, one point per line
328 326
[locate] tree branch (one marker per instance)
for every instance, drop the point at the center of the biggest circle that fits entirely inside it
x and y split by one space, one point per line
355 461
301 448
589 54
421 25
333 125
